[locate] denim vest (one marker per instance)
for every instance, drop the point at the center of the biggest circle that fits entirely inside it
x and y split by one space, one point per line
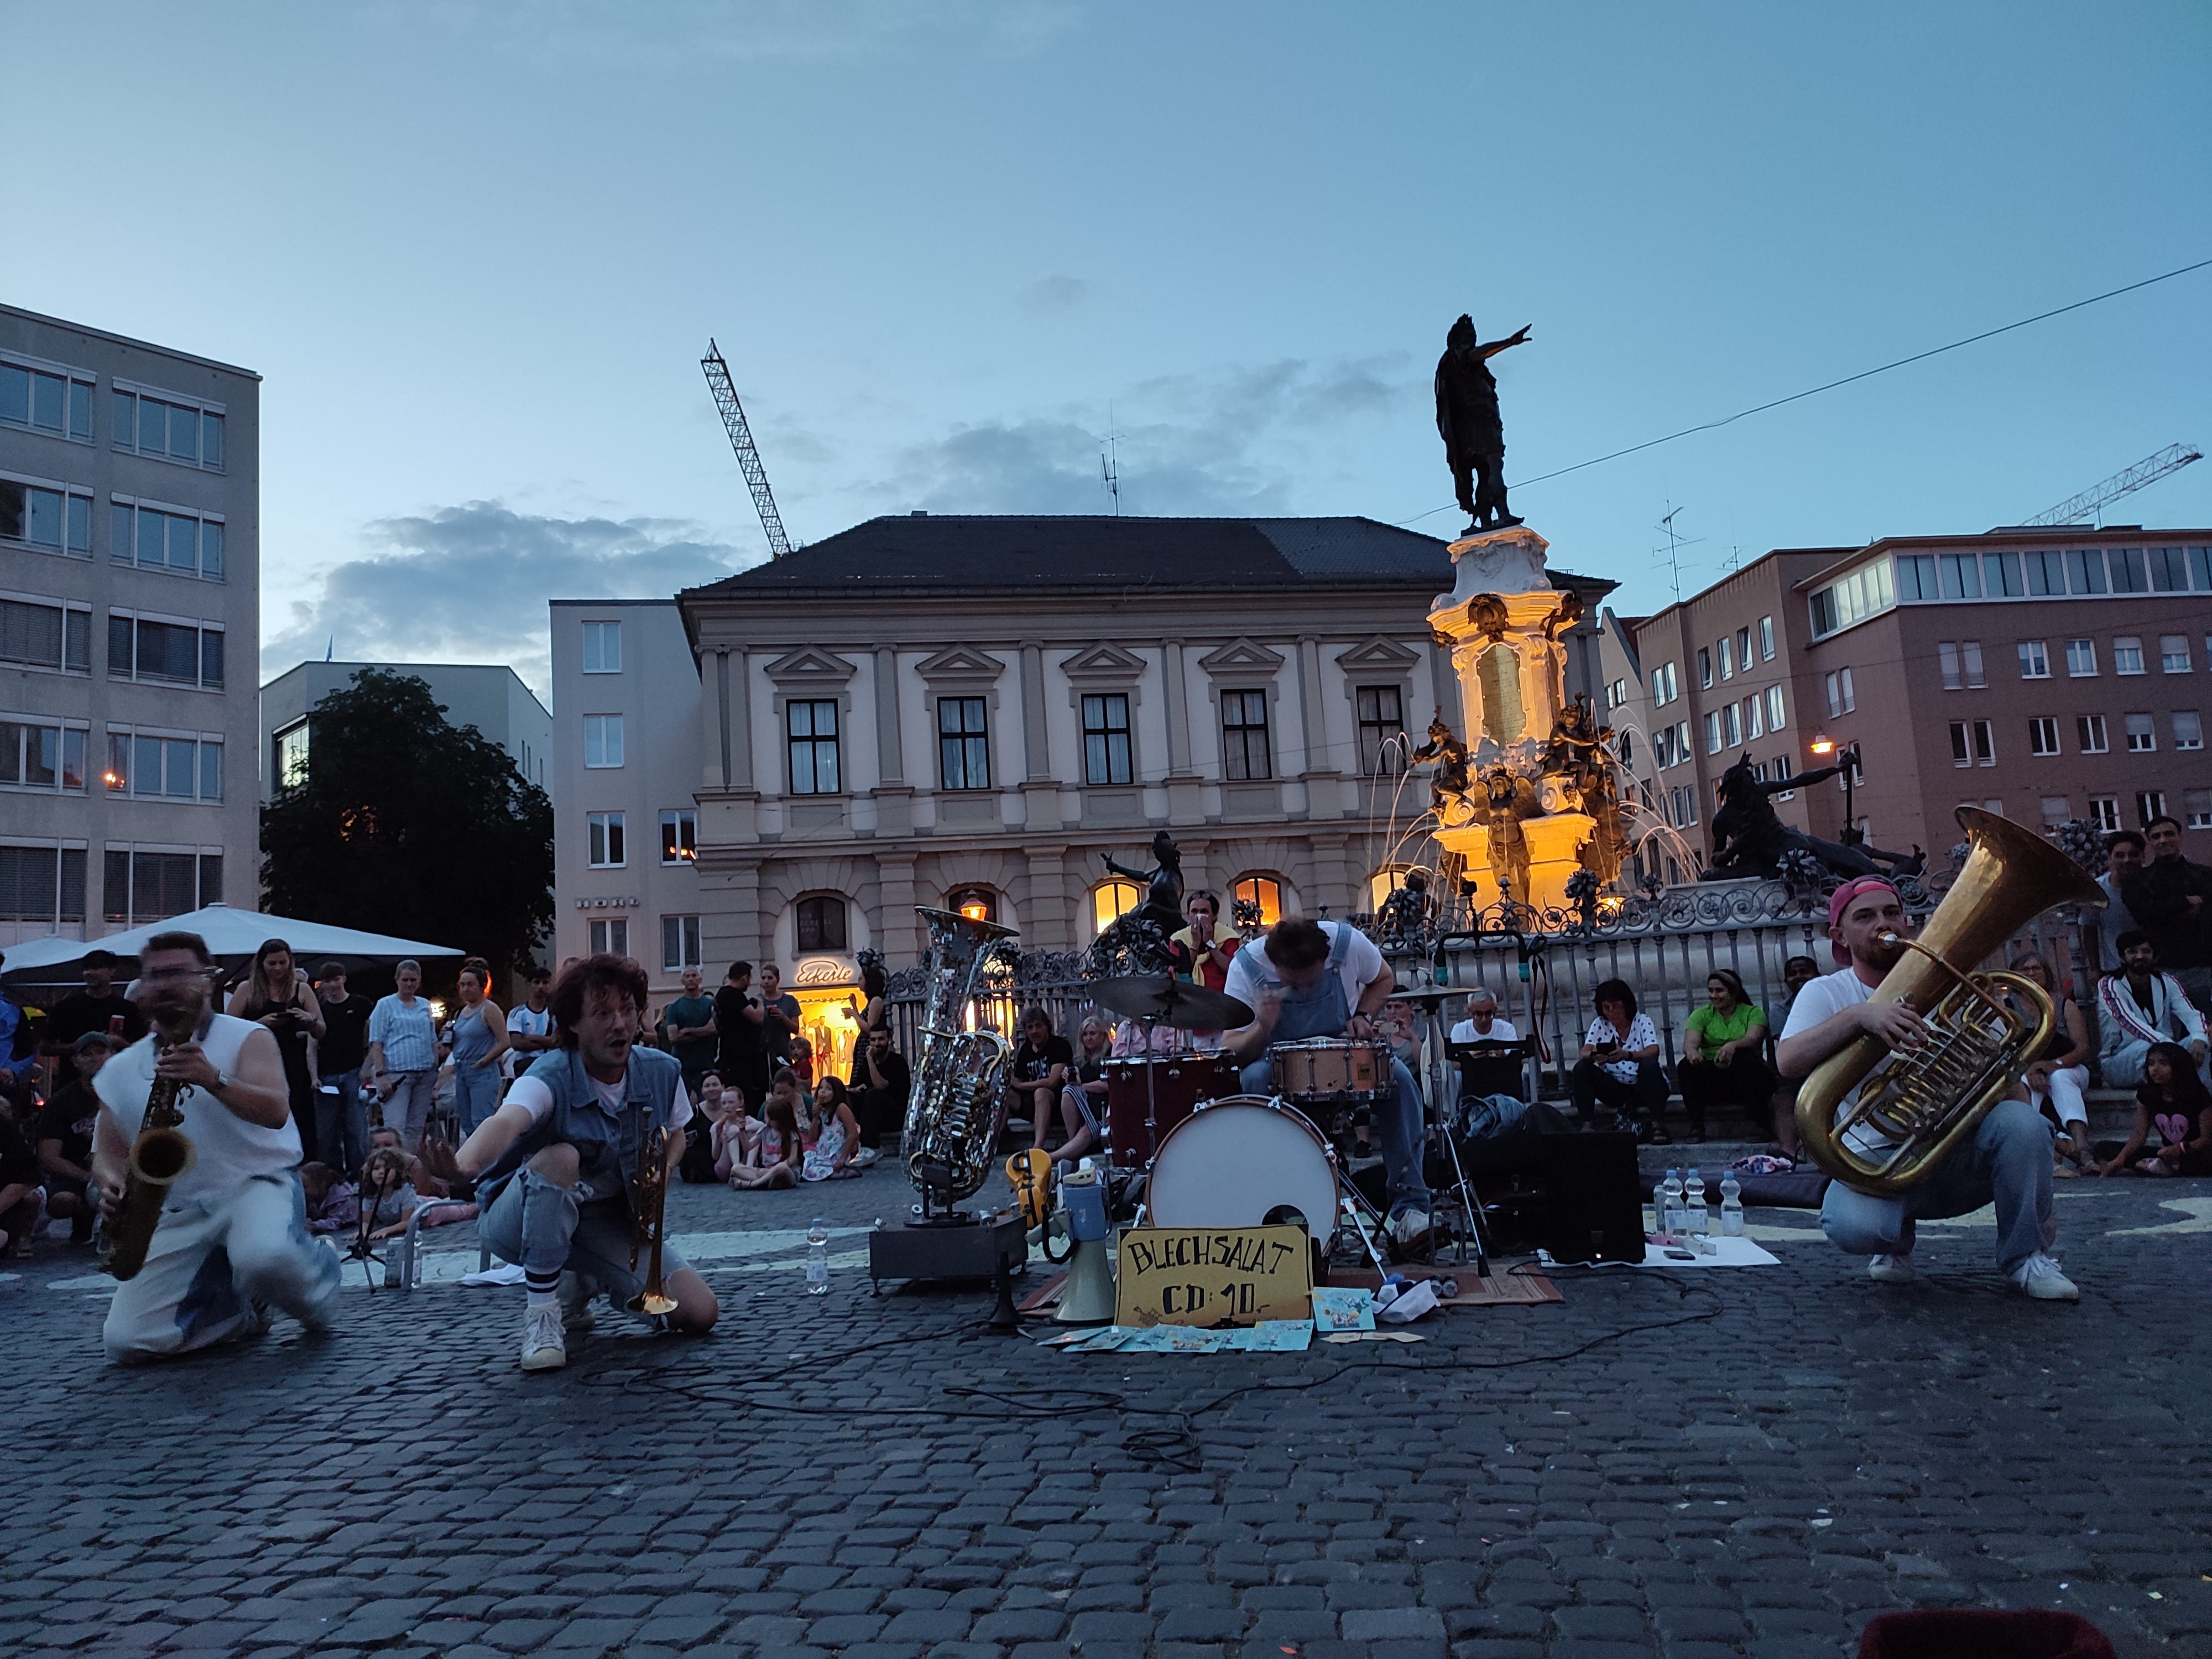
606 1145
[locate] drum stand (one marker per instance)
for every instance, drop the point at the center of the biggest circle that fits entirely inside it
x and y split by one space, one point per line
1440 1034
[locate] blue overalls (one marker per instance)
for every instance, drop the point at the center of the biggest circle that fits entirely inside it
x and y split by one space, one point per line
1320 1011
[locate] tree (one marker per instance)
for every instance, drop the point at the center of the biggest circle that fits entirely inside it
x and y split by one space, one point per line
408 825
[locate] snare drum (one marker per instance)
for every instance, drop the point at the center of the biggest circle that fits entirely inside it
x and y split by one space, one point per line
1243 1162
1333 1070
1168 1089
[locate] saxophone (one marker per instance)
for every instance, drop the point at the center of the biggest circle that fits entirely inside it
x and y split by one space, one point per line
958 1107
159 1158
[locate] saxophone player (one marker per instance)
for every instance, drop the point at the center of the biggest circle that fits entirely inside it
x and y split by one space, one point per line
553 1163
2007 1162
232 1240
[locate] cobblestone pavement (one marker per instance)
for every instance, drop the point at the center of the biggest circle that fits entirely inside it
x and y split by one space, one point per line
1691 1462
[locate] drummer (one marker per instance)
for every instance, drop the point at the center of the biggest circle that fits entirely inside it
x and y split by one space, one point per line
1327 979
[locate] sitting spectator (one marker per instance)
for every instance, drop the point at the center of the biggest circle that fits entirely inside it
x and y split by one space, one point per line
838 1137
419 1173
1724 1054
880 1082
1482 1023
1620 1065
1084 1099
1038 1073
2138 1006
2173 1100
1797 973
332 1203
64 1138
698 1164
20 1196
733 1127
387 1197
2056 1078
772 1158
2167 898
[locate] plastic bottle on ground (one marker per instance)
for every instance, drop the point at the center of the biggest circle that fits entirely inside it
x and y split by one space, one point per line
1731 1205
1670 1203
818 1257
1700 1218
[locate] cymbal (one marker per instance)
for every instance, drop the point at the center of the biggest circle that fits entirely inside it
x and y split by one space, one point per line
1166 1000
1430 994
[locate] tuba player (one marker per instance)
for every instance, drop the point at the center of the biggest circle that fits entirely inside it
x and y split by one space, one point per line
2008 1160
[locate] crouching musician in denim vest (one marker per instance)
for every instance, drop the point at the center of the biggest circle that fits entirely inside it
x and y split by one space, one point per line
557 1160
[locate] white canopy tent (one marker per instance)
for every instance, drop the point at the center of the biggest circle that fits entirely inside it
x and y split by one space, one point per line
232 938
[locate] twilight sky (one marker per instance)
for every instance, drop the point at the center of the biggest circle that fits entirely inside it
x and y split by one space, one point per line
477 251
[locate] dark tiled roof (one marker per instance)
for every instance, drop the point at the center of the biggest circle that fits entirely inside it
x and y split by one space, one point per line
946 553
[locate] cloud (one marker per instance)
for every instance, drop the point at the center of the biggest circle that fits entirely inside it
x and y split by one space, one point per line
469 584
1053 296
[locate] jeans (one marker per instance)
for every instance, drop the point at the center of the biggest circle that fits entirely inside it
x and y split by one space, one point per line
475 1094
538 1224
2008 1162
408 1108
342 1123
1398 1122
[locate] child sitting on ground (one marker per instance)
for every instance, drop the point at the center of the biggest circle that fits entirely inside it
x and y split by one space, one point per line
2171 1100
771 1158
332 1204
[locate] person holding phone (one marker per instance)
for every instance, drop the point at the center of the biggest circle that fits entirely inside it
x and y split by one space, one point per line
1620 1065
276 995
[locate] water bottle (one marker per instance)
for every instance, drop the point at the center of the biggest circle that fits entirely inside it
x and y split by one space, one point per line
1731 1205
1700 1218
818 1257
1670 1203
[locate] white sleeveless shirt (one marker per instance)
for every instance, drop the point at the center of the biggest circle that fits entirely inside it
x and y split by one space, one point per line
230 1151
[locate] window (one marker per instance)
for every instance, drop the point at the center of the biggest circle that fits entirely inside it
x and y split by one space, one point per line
1916 576
1382 723
1727 650
2127 655
1110 900
1970 660
57 404
1961 575
165 539
2081 659
1985 743
2150 803
1704 668
1625 747
53 520
679 835
1732 723
1866 591
2089 734
2129 573
1682 741
166 653
1244 735
2001 575
42 884
1616 695
175 768
1961 664
603 740
602 647
34 635
2034 660
2169 568
605 850
963 750
2188 729
679 943
2196 804
2174 654
1713 741
35 755
1842 700
1767 639
1782 767
1946 658
1743 647
291 757
609 934
169 428
142 887
819 924
2143 737
1777 713
1685 806
2085 570
2105 812
2056 810
1754 717
1961 754
1662 747
1106 737
1264 892
2043 736
1665 687
812 728
2046 575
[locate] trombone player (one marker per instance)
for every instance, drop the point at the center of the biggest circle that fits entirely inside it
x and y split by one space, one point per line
553 1165
2007 1162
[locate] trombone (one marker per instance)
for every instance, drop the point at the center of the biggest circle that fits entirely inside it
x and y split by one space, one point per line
649 1214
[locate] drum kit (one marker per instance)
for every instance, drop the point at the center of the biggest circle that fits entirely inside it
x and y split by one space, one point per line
1195 1150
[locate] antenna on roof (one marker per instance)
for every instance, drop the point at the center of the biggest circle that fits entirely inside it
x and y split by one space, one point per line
1110 465
1674 546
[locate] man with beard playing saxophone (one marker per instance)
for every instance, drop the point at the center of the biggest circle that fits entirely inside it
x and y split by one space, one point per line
232 1237
2006 1161
558 1156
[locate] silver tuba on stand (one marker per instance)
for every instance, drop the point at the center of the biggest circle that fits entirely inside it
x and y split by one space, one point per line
958 1107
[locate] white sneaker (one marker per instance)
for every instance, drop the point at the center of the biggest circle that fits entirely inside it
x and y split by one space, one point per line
864 1157
1891 1270
2039 1277
542 1348
1408 1225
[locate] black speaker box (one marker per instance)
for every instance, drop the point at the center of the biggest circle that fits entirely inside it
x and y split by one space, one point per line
1593 1202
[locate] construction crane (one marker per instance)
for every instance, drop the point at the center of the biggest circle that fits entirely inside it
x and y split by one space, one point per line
2090 504
741 441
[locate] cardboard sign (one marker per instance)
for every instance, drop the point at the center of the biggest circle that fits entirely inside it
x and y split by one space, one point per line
1213 1276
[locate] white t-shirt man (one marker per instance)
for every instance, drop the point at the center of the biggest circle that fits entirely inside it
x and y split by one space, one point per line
1819 1001
1501 1030
524 1021
230 1152
1251 975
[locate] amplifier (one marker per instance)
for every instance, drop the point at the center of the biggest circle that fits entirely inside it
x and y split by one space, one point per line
1593 1197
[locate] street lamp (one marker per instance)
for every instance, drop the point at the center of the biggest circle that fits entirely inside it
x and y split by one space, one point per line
1824 746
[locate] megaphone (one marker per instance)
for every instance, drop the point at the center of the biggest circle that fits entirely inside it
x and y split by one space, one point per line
1087 1297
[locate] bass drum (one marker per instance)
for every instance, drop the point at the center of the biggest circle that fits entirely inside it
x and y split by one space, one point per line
1240 1163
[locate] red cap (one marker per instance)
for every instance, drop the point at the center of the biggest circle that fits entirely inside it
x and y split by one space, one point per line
1840 900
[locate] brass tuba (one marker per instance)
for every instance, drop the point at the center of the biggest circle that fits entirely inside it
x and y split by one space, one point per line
1925 1101
958 1107
160 1158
